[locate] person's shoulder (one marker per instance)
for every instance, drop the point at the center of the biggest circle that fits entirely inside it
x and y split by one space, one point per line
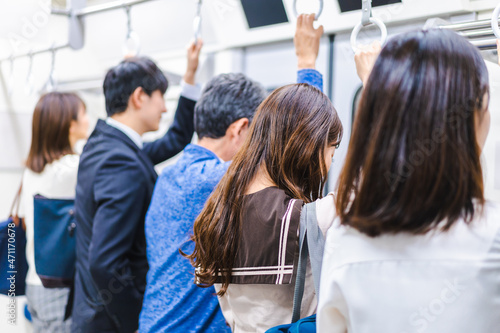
67 166
200 177
325 212
107 147
106 143
211 169
203 169
492 207
268 194
112 161
485 228
120 161
274 201
491 214
106 137
64 167
69 161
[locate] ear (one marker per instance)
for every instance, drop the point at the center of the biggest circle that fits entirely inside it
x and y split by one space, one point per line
136 98
72 126
236 129
241 126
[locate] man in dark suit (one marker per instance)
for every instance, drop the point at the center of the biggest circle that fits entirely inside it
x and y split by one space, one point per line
116 178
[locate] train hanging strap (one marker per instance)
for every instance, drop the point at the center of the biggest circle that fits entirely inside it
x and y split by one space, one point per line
51 83
318 14
366 20
494 22
367 12
197 22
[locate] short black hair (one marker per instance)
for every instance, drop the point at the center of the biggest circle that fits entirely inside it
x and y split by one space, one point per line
122 80
225 99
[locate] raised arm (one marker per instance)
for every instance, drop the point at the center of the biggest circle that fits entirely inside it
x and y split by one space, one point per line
365 60
181 131
306 43
498 50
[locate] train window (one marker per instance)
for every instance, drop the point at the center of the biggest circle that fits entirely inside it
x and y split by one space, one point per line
350 5
260 13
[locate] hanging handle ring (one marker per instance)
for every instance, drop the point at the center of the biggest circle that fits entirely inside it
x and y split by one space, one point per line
197 28
197 23
317 15
366 20
359 26
494 22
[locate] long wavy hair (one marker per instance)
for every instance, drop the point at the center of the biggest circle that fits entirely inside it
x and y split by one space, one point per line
288 136
413 160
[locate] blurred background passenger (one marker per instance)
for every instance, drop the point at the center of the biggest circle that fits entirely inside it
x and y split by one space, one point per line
59 121
416 247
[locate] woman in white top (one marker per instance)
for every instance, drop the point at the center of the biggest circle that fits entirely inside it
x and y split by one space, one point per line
415 246
59 121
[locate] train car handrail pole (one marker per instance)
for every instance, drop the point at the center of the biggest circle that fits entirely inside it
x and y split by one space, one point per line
81 13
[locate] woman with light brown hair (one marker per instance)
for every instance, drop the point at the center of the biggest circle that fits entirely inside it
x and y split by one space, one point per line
415 246
246 237
59 121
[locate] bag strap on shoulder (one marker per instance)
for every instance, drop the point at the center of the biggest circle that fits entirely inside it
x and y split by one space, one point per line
14 209
315 244
311 244
301 267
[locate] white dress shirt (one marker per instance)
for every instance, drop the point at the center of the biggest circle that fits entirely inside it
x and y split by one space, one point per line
434 283
133 135
192 92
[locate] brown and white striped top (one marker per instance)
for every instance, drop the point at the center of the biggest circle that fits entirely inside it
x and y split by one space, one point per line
268 247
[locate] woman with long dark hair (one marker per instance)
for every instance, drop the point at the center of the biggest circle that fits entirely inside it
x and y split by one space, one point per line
246 237
59 121
415 247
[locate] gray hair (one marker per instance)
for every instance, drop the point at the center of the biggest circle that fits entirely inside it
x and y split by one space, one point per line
225 99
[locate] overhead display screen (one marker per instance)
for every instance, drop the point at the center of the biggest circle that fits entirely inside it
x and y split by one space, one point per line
262 13
350 5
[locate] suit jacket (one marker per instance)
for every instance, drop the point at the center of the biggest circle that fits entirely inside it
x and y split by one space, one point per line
115 184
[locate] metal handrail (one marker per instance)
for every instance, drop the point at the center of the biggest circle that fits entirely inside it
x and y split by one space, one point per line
32 53
485 44
481 24
480 33
108 6
97 8
83 12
